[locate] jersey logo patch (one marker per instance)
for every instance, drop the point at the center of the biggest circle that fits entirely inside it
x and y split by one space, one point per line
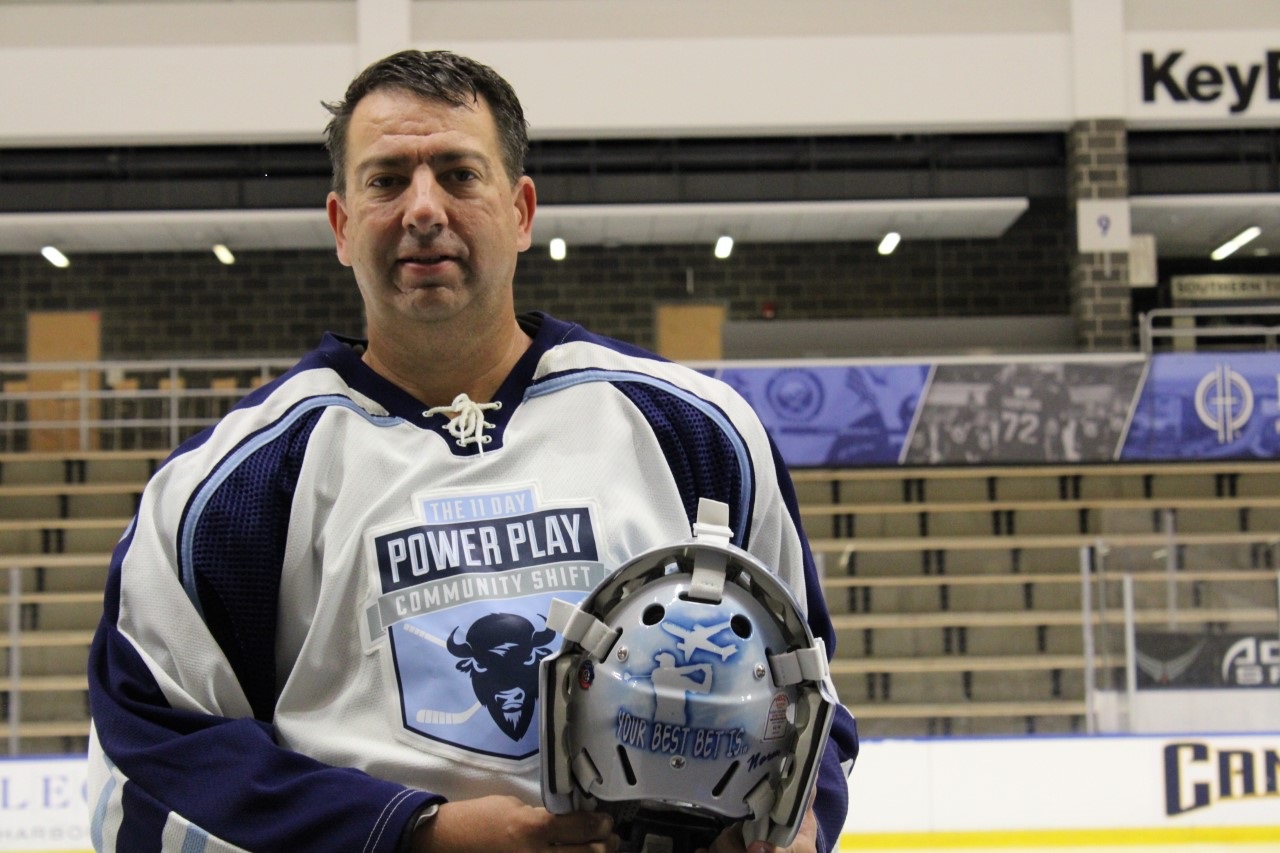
463 598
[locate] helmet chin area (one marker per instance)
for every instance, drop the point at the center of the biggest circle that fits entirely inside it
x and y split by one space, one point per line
673 828
688 695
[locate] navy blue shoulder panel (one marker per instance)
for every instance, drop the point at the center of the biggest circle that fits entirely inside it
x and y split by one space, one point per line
232 555
707 456
701 451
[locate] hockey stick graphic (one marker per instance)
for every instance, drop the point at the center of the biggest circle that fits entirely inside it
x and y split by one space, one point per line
427 715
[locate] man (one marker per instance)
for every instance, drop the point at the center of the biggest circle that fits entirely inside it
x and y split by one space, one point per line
318 632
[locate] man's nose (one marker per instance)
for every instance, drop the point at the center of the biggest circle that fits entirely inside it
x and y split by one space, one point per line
424 203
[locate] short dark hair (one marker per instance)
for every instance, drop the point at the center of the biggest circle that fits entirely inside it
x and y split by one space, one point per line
437 75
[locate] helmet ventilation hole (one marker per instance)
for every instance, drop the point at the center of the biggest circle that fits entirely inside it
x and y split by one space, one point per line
627 769
741 626
653 614
724 780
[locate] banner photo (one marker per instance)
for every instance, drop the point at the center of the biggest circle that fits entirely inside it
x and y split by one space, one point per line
1034 410
1024 412
1207 406
1183 660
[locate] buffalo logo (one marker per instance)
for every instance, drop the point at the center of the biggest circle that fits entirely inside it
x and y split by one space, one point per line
501 654
795 395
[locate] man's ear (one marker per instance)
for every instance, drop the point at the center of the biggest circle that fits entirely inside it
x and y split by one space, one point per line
524 203
337 211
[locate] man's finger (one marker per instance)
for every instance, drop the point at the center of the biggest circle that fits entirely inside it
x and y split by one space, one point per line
582 828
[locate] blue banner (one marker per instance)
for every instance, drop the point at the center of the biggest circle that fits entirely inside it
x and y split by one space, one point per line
1207 406
848 415
1086 409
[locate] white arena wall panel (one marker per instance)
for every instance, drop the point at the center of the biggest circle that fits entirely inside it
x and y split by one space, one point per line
1165 792
171 73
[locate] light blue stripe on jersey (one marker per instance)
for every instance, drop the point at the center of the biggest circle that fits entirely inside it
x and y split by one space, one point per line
100 808
195 841
568 380
231 463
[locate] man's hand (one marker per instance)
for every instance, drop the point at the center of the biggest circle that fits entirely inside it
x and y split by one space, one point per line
730 841
488 824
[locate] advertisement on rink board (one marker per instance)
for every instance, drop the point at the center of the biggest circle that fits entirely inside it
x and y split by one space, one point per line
43 805
927 794
1086 409
1054 792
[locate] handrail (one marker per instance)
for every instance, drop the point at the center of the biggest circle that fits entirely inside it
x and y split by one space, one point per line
15 659
117 404
1148 332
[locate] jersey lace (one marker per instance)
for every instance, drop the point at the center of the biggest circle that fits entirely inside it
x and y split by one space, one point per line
468 424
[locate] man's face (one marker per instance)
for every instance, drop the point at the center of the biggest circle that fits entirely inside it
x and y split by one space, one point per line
430 222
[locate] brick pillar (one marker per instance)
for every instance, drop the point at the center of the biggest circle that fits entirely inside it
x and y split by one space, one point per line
1097 164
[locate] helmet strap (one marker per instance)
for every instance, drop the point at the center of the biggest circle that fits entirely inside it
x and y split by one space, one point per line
712 528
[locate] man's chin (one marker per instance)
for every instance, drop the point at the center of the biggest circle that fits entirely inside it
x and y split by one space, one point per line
431 296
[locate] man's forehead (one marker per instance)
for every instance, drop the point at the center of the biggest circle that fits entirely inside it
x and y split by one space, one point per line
387 114
391 102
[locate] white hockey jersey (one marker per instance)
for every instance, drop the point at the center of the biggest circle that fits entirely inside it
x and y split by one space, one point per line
329 610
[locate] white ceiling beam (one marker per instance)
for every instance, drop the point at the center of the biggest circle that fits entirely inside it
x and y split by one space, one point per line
771 222
382 28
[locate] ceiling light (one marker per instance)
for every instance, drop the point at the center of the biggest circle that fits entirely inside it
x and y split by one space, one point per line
53 256
724 247
889 243
557 249
223 254
1228 248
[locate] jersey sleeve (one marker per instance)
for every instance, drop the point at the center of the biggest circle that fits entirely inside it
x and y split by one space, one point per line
183 753
831 800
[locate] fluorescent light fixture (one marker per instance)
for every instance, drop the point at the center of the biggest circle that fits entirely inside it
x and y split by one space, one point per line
223 254
53 256
889 243
724 247
1228 248
558 249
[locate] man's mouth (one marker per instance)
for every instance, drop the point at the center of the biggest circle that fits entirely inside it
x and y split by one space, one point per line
426 260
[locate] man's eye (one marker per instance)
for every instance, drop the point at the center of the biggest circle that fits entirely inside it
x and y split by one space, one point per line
465 175
381 182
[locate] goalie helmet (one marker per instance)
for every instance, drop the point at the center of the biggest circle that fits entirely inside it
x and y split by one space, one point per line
689 692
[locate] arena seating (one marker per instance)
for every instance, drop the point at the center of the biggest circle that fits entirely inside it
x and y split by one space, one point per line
61 514
956 593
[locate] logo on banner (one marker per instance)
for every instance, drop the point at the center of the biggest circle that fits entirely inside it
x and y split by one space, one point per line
1252 662
1224 402
795 395
1165 672
1185 660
